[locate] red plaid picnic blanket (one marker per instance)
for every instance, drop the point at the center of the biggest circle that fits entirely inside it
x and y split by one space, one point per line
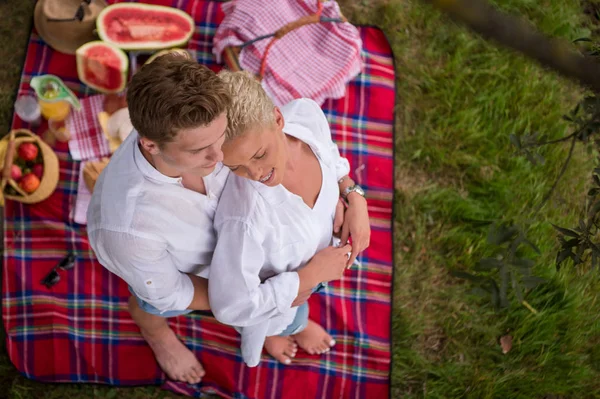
314 61
80 330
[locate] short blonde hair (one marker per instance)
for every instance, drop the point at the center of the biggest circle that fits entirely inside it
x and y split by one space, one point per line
250 106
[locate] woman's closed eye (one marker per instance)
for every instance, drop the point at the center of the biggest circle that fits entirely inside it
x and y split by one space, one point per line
261 156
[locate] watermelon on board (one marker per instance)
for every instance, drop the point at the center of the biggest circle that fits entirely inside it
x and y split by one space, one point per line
102 66
136 26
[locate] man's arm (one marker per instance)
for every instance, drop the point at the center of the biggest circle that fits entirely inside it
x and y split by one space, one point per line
147 267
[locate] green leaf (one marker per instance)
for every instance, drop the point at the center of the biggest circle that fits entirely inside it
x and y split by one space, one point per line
488 264
515 140
466 276
500 234
504 275
595 258
523 263
533 246
563 255
567 118
566 232
570 243
517 288
533 281
593 192
495 294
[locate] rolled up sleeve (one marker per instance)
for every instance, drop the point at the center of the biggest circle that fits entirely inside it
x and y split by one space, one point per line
237 295
146 265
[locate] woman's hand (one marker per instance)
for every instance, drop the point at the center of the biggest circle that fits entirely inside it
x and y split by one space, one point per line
338 220
328 264
356 225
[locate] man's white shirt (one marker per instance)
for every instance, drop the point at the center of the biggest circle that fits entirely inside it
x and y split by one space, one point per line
150 230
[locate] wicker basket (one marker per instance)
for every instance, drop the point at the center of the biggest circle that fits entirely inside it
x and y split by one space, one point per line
49 180
231 54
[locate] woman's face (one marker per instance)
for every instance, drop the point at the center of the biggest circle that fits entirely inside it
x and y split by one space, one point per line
259 154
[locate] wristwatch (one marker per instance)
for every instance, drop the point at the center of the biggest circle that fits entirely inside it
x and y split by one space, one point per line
353 189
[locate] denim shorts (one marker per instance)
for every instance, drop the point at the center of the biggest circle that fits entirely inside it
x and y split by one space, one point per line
146 307
301 320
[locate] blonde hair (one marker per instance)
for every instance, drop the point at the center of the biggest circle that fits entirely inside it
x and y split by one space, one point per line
250 106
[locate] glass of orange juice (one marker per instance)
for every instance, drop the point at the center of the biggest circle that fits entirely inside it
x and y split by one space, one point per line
54 97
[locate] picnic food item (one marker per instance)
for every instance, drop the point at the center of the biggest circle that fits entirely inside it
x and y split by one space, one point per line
102 66
91 172
29 183
135 26
15 172
114 102
31 188
38 170
181 51
54 97
28 151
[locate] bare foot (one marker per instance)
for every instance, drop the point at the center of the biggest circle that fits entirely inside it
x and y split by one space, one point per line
314 339
174 357
281 348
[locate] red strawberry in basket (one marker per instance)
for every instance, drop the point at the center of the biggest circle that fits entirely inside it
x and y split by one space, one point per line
15 172
29 183
28 151
38 170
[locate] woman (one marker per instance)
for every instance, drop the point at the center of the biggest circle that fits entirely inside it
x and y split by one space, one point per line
275 222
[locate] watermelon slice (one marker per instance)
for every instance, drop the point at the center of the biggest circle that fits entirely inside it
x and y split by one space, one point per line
102 66
135 26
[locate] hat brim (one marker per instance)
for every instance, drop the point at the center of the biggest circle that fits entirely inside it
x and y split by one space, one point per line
67 47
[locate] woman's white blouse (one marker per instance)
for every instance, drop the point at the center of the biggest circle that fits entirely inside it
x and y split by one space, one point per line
265 234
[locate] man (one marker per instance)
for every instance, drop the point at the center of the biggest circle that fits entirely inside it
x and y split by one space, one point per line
150 218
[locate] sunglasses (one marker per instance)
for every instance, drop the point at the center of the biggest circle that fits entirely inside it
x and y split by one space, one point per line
78 15
52 278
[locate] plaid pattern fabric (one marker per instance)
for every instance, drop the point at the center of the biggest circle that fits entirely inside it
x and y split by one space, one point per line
87 140
314 61
80 330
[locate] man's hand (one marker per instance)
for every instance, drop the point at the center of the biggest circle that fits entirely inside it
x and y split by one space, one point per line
356 225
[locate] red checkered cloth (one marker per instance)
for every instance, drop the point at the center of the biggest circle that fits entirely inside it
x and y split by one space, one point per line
80 330
87 140
314 61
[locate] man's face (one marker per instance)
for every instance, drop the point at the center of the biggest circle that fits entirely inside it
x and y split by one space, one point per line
195 150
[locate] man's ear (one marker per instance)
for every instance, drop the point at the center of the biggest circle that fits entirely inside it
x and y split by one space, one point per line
149 146
279 121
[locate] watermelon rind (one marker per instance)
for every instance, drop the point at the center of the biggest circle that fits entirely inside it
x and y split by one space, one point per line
80 56
149 45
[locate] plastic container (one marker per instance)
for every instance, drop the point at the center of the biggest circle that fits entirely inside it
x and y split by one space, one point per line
54 97
28 110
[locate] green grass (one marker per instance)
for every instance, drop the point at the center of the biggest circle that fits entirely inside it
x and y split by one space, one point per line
459 98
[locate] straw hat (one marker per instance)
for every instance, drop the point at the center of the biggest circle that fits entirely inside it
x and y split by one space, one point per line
66 36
